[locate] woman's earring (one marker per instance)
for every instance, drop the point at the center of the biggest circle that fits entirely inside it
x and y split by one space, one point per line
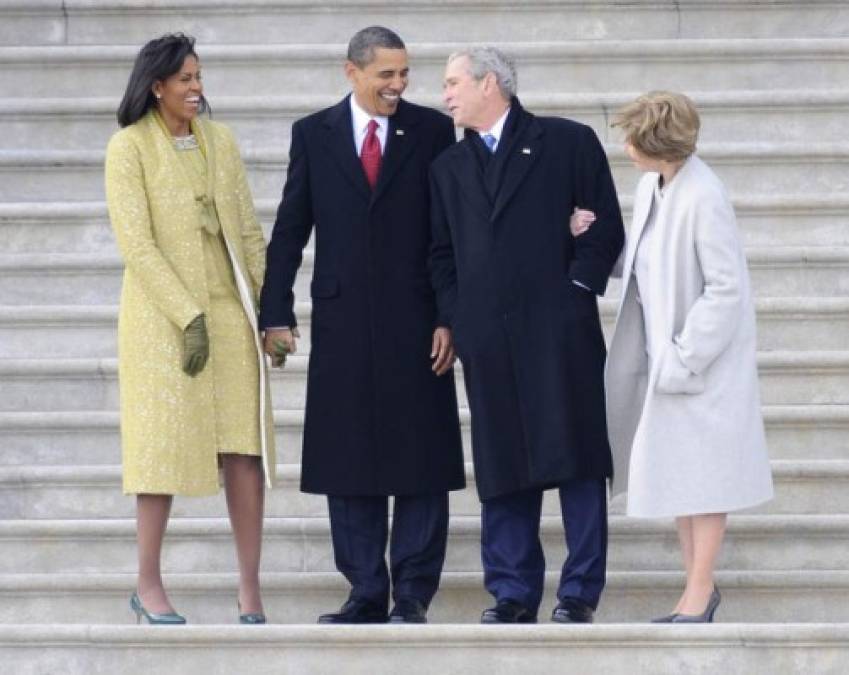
158 96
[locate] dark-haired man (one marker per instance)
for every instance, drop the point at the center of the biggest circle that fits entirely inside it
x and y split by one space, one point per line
381 414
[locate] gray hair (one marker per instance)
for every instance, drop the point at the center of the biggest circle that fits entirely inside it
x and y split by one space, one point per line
362 45
483 60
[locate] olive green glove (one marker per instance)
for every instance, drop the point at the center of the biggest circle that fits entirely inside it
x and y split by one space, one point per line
195 346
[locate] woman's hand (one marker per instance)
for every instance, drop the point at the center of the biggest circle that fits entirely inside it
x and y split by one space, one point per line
279 343
580 221
195 346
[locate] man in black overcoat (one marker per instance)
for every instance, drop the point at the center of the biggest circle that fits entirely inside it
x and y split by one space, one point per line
519 292
381 412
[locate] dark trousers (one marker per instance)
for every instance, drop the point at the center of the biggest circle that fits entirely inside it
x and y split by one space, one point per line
513 559
359 528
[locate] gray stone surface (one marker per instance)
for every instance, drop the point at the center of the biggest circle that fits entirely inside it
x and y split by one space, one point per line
766 76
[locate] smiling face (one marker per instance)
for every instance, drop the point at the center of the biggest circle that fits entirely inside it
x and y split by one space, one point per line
472 103
378 85
178 97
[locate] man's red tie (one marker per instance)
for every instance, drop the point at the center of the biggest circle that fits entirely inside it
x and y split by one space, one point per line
370 154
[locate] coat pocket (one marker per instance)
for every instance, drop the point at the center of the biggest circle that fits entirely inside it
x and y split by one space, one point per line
674 377
324 287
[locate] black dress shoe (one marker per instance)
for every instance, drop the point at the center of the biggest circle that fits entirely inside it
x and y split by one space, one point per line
356 611
408 610
572 610
508 611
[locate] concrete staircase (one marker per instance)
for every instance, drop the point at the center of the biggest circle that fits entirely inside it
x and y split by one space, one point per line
765 75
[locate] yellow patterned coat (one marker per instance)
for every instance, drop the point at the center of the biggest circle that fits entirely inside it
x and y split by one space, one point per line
167 418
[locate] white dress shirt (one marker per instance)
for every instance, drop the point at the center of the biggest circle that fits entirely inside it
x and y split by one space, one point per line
360 119
497 129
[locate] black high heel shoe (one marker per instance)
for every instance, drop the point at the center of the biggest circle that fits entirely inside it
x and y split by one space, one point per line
669 618
706 616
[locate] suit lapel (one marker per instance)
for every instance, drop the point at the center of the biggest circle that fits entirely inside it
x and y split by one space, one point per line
521 155
401 139
340 145
469 175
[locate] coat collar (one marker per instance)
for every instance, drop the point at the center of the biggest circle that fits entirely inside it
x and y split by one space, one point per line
643 204
521 149
400 141
518 150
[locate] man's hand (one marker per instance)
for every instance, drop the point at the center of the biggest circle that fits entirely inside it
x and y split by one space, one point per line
442 351
279 343
580 221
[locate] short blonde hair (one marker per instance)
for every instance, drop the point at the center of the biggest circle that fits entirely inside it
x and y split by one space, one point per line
660 125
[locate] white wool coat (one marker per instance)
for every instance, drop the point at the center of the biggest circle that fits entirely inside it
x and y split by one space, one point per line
685 426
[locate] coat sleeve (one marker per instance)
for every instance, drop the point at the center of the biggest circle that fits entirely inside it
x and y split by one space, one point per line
253 241
291 233
126 199
443 270
598 249
715 316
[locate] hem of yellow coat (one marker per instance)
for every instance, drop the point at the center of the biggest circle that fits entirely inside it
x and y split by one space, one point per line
171 491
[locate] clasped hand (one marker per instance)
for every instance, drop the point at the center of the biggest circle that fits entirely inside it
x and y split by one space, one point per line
278 343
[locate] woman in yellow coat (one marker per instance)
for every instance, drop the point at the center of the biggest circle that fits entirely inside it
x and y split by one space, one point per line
194 390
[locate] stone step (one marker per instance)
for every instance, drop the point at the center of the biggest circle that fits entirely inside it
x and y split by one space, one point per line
133 22
45 384
298 598
745 168
755 649
765 220
81 331
808 432
79 492
95 279
263 122
603 65
752 542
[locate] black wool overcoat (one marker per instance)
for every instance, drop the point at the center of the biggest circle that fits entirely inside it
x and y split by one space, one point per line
378 421
504 263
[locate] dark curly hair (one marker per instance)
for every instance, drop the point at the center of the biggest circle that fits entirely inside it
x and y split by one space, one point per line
158 60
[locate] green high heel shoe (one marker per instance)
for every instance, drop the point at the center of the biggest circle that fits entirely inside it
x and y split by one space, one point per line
252 619
169 619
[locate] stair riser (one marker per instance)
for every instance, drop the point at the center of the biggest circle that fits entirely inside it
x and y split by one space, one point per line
66 339
101 285
322 73
822 226
100 553
94 391
75 181
52 501
269 130
484 22
452 604
102 446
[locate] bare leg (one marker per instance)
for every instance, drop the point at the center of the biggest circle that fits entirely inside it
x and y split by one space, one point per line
685 538
152 513
708 531
245 490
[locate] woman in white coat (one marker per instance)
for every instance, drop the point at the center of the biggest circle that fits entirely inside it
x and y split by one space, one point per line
683 403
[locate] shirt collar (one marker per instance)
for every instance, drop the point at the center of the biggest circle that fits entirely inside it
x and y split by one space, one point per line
498 128
362 118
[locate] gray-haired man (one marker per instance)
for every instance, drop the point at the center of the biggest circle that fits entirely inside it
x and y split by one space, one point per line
520 292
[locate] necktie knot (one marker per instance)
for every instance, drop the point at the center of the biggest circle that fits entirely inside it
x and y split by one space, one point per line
490 141
372 128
